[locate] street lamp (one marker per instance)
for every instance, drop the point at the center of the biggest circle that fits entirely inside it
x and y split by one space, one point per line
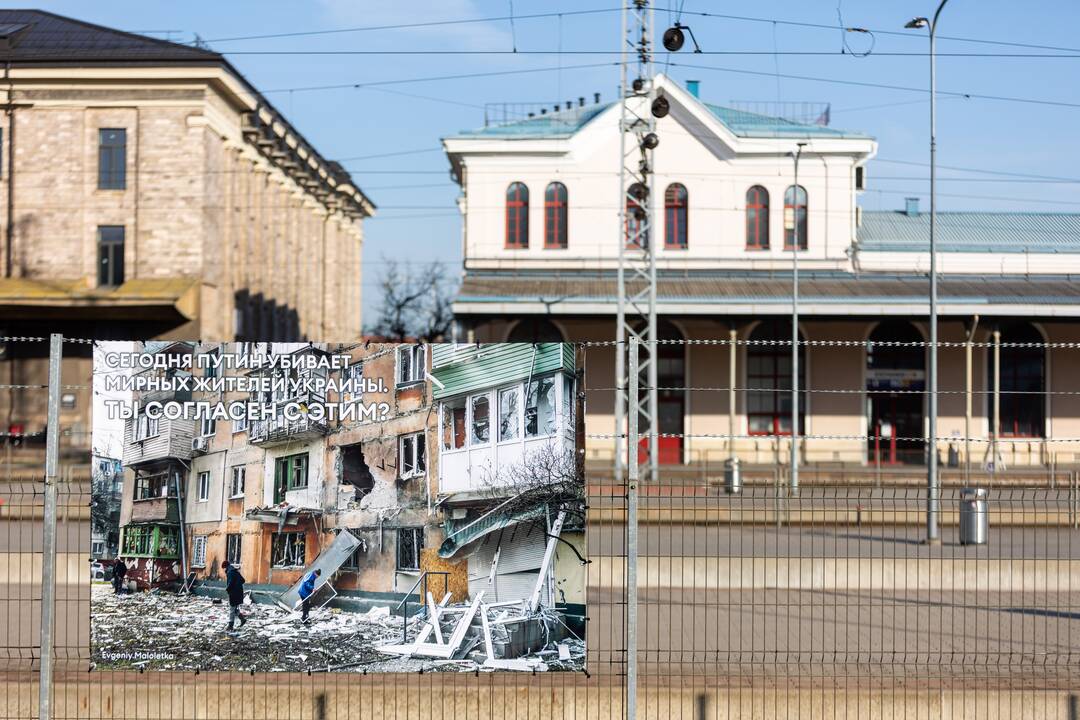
933 486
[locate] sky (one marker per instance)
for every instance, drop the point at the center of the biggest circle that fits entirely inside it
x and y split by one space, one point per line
388 136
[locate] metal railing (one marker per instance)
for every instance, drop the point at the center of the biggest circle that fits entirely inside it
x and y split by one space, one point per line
405 600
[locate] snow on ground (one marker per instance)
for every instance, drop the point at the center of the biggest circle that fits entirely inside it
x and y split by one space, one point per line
164 631
161 630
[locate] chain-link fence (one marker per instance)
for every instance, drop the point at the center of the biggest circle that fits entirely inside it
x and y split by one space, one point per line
751 600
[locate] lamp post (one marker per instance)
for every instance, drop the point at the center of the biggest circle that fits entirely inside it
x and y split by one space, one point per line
794 484
933 485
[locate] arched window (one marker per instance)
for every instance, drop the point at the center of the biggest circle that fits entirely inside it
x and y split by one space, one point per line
1022 400
555 216
757 218
676 206
637 234
517 216
768 375
535 330
795 217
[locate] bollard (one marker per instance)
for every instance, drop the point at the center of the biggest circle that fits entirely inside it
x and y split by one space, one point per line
732 477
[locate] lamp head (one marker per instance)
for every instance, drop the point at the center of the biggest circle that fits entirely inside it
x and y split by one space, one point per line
916 23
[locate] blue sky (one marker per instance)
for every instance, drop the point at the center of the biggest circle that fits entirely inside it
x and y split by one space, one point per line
404 121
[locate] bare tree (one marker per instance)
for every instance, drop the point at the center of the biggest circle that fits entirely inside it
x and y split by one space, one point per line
415 302
550 475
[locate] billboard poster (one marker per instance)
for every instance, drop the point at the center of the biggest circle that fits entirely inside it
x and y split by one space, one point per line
358 507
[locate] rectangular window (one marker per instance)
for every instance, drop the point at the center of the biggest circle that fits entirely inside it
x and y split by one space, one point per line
353 376
290 473
97 548
138 539
198 551
236 483
240 424
509 413
540 407
110 255
146 427
410 543
207 427
150 487
203 486
112 159
232 548
353 563
481 430
287 550
410 364
411 460
453 424
211 370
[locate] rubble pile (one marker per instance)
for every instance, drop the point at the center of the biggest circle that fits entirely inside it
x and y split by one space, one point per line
165 631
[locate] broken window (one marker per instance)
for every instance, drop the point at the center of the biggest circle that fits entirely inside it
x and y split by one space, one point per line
232 548
198 551
480 424
167 545
287 550
236 485
149 487
145 427
509 413
352 379
290 473
353 563
410 364
540 407
410 543
138 539
355 472
411 460
453 424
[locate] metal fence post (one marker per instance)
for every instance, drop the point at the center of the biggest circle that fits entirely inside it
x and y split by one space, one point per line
631 533
48 560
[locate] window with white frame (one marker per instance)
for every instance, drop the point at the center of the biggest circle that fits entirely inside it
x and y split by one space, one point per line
411 364
481 424
510 413
97 548
203 486
146 427
453 424
240 424
411 455
236 481
540 407
198 551
207 427
352 378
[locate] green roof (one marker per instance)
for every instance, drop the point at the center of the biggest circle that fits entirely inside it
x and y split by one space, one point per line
740 122
972 232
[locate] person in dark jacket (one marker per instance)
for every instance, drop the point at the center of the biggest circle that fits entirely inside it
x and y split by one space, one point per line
307 589
234 588
119 572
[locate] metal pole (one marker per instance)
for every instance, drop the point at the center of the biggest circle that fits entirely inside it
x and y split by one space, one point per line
933 482
632 538
795 333
997 406
732 334
967 410
48 560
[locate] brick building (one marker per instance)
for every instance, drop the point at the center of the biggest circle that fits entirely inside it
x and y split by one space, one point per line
149 190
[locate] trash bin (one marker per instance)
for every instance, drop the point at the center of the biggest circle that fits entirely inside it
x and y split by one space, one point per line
732 477
974 516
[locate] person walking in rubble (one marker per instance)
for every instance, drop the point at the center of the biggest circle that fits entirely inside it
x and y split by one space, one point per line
234 587
307 589
118 574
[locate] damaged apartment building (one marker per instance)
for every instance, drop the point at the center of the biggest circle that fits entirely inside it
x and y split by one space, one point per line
271 495
510 472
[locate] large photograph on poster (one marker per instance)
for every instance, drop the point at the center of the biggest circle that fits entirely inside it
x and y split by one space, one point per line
359 507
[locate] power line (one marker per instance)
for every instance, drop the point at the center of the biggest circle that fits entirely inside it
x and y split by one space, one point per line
413 26
739 53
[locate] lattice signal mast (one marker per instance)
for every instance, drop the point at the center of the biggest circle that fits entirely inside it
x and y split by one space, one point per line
637 252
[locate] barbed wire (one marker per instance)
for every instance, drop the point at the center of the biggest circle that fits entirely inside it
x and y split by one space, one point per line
764 436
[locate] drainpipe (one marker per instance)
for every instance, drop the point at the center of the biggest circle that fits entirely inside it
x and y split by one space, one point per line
180 516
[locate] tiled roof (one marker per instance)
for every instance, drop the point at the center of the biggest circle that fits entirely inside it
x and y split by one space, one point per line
740 122
841 290
41 37
976 232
